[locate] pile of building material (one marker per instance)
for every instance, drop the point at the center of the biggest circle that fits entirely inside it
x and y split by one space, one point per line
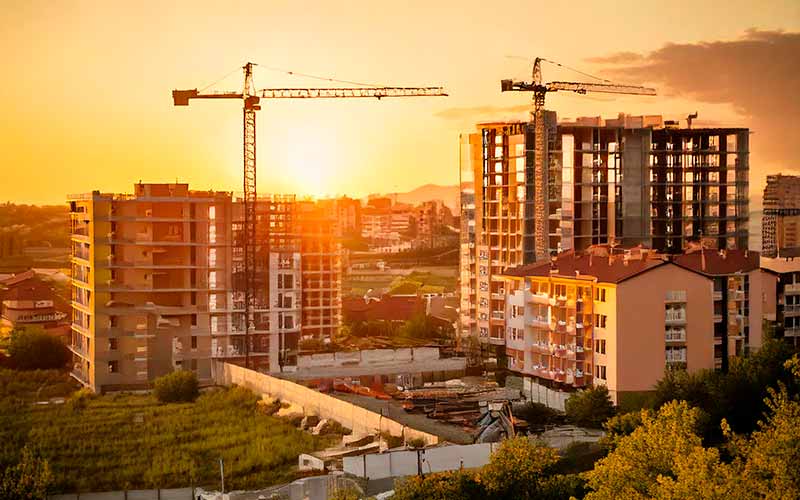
455 402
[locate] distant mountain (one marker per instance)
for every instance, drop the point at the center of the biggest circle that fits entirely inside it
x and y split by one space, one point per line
448 195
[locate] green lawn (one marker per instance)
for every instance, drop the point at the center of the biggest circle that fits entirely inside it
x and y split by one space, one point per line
132 441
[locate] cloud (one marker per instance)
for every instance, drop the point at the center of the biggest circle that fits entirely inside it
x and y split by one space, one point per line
475 111
757 74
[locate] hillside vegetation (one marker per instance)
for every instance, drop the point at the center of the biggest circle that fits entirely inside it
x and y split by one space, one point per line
124 441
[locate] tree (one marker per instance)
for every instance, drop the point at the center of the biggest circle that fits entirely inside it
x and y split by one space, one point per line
29 479
517 469
590 408
663 458
31 348
453 485
178 386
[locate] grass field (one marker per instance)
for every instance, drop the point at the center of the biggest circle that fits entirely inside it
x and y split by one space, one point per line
129 441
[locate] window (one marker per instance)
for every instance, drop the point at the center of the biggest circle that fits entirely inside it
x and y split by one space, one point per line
194 342
600 372
285 281
194 320
114 321
113 366
600 320
600 346
600 294
112 344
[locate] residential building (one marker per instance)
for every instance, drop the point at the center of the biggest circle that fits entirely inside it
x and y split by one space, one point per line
28 301
785 299
158 283
619 317
626 181
740 295
603 318
346 213
780 224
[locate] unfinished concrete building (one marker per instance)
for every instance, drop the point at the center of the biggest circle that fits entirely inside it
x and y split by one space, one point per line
626 181
157 284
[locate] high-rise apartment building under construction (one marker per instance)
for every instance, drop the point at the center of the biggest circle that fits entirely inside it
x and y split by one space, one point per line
158 285
626 181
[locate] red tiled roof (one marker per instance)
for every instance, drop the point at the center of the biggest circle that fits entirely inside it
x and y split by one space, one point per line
604 269
18 278
392 308
718 262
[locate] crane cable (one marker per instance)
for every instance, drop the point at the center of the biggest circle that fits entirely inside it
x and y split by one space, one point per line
575 70
220 79
316 77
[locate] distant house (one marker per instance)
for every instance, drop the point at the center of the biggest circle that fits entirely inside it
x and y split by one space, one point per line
27 300
398 308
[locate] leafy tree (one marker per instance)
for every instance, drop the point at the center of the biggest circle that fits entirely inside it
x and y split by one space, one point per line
772 453
517 469
178 386
29 479
33 349
649 452
620 426
590 408
453 485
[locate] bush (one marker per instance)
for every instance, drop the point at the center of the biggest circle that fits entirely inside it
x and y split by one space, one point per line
178 386
590 408
80 399
537 414
416 443
34 349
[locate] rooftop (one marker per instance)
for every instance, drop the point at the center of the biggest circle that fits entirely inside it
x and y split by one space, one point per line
593 264
718 262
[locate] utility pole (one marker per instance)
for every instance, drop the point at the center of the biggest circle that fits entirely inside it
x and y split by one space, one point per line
222 475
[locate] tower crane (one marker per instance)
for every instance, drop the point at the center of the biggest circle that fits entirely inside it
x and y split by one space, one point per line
539 90
250 98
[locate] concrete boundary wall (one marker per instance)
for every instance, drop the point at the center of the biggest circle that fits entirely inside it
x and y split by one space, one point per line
163 494
541 394
368 357
360 420
407 462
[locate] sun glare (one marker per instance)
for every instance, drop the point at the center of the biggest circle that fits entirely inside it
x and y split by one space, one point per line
312 164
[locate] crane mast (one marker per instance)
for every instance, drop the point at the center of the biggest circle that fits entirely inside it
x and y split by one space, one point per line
250 98
540 90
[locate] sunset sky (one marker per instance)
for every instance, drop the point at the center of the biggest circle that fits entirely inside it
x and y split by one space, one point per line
85 89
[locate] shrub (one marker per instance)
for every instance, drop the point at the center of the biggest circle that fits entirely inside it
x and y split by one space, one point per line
28 479
536 414
34 349
178 386
416 443
80 399
590 408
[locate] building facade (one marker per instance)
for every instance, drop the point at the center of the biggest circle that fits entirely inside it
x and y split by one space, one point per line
627 181
157 284
781 220
597 318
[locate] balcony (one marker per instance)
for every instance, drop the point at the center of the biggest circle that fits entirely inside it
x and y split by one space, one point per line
539 322
792 289
675 318
676 296
540 298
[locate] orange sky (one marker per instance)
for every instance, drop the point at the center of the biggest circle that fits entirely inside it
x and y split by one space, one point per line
85 89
